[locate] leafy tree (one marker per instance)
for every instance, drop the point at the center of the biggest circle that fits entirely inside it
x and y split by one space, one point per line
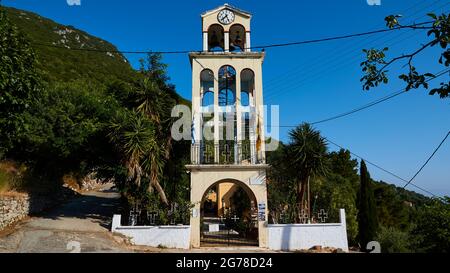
393 240
19 81
432 230
376 66
240 201
307 151
281 185
367 218
134 135
65 131
342 163
392 209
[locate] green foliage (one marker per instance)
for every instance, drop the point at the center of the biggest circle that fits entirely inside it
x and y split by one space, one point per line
90 99
397 209
241 202
52 43
334 193
367 217
64 129
307 152
19 82
375 67
5 181
393 240
432 229
150 98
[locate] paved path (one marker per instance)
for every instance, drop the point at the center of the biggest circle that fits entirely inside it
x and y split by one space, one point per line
84 222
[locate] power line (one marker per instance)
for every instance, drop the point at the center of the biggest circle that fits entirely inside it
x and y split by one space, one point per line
361 108
276 81
381 168
338 50
338 37
429 159
254 47
307 69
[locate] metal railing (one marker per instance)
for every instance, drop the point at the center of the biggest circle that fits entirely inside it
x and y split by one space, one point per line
225 152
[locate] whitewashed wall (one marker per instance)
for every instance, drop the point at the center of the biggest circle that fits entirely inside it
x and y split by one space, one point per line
157 236
301 237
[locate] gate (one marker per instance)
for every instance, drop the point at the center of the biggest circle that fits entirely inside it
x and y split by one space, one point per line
229 231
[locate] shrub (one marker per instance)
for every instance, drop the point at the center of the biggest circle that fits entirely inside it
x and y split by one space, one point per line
393 240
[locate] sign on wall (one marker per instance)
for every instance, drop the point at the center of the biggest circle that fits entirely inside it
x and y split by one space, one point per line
262 212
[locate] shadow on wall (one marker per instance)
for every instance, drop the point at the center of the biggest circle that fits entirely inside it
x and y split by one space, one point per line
286 238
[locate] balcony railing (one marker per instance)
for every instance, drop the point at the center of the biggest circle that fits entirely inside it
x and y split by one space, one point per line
225 152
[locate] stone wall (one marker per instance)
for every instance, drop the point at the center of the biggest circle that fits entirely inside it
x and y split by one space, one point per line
13 208
16 206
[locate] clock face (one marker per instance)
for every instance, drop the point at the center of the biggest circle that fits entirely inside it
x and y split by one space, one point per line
226 17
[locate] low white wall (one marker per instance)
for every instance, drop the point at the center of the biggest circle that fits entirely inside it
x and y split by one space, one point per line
306 236
155 236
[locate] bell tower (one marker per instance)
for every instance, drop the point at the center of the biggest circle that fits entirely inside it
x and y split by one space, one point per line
228 142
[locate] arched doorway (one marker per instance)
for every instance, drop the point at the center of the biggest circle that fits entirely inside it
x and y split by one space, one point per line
229 215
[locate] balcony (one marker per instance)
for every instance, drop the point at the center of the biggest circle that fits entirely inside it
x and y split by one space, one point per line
225 152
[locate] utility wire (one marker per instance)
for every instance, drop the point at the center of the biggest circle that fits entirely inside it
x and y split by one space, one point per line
393 95
276 85
426 163
254 47
349 49
381 168
339 37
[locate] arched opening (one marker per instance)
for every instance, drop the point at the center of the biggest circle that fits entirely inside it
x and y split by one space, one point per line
207 118
247 101
228 119
247 87
216 38
207 87
227 86
229 215
237 38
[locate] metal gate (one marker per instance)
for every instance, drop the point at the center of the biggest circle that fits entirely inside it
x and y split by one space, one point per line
229 231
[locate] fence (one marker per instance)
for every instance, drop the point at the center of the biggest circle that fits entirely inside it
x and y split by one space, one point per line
296 214
154 236
175 215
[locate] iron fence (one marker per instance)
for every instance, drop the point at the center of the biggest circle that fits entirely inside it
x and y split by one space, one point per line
175 215
296 214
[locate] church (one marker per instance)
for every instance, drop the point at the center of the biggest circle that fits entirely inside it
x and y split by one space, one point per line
228 168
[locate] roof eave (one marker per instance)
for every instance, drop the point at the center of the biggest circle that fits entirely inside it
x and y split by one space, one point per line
242 12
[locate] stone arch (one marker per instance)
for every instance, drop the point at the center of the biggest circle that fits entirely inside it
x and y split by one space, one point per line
251 178
250 193
233 220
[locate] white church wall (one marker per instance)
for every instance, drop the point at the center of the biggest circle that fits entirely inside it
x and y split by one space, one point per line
154 236
306 236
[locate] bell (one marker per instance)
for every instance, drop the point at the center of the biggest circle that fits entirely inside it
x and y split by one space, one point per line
214 42
238 39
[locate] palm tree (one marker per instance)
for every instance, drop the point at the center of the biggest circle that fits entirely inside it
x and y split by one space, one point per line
135 137
307 151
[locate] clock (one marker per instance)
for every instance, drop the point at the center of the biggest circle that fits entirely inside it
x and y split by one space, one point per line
226 16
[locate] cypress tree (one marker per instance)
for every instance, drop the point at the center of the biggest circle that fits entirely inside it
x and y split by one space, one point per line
367 217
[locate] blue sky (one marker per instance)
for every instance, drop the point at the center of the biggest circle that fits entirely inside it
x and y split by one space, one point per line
309 82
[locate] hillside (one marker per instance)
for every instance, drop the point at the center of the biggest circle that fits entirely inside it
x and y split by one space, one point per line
59 64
